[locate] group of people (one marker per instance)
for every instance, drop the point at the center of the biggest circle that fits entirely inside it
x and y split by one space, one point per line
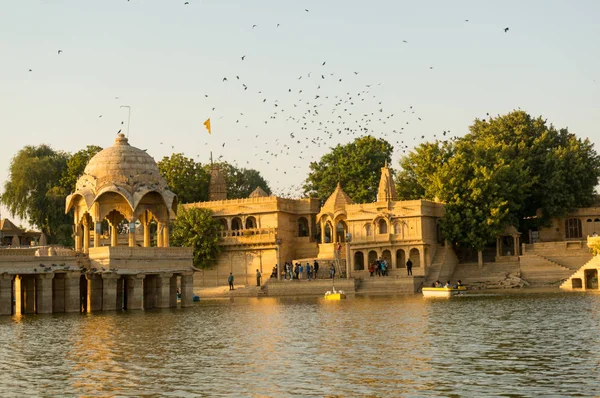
299 271
379 267
447 285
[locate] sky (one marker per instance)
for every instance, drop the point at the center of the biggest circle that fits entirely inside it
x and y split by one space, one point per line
315 73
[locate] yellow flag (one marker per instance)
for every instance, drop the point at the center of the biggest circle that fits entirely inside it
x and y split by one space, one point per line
207 125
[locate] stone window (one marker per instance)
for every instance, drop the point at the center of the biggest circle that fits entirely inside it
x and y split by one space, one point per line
250 222
368 231
302 227
573 228
382 227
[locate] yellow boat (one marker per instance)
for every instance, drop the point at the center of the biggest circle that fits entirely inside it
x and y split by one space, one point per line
443 291
335 295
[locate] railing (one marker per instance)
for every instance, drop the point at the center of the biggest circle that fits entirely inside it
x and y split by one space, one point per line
249 235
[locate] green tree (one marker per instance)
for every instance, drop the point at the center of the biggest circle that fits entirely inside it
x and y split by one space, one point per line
75 167
33 172
357 166
185 177
240 182
500 173
198 229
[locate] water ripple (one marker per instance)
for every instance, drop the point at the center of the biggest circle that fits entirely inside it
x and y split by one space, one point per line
520 345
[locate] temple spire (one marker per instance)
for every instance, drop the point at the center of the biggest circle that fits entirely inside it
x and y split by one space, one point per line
387 189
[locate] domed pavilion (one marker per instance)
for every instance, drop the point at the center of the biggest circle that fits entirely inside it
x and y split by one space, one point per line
122 185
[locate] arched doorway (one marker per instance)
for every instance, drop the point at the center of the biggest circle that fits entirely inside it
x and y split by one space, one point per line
328 232
340 231
223 224
415 257
302 227
372 256
359 261
251 223
400 259
387 256
236 225
382 226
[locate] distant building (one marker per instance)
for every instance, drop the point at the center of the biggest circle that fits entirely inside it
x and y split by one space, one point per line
11 235
262 231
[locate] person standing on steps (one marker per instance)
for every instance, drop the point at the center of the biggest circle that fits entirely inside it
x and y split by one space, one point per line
409 267
331 271
230 280
316 268
258 276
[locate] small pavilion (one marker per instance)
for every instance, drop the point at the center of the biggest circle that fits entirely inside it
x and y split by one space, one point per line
121 187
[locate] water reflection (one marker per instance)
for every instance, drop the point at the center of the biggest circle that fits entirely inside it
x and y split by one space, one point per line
514 345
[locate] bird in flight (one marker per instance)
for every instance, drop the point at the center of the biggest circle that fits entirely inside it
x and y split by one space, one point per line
324 63
254 26
243 57
505 30
59 51
404 41
224 79
186 3
306 9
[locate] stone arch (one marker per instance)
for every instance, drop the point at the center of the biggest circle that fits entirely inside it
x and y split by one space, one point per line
387 256
251 223
372 256
359 261
341 229
223 224
302 227
382 226
591 278
415 257
236 225
328 232
400 259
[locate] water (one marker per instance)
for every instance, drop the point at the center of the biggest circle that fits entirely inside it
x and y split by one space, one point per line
498 345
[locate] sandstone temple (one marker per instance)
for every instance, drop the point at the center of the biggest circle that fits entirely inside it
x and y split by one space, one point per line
121 260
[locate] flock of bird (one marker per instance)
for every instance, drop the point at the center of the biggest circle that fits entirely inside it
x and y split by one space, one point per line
318 108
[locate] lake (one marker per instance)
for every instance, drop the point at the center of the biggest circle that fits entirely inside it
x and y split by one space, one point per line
535 344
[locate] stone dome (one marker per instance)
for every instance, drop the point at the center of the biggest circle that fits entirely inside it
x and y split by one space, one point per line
125 170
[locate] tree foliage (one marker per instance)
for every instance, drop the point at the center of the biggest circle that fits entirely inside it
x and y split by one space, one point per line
75 167
33 172
240 182
502 173
197 228
185 177
357 166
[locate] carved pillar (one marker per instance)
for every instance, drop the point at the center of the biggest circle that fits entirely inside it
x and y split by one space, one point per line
120 291
135 292
187 289
159 234
109 291
97 233
149 292
166 235
132 234
322 231
163 291
516 242
6 289
72 292
43 287
498 246
422 258
78 238
86 234
114 235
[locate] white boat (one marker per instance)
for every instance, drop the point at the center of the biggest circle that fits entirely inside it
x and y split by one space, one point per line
443 291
